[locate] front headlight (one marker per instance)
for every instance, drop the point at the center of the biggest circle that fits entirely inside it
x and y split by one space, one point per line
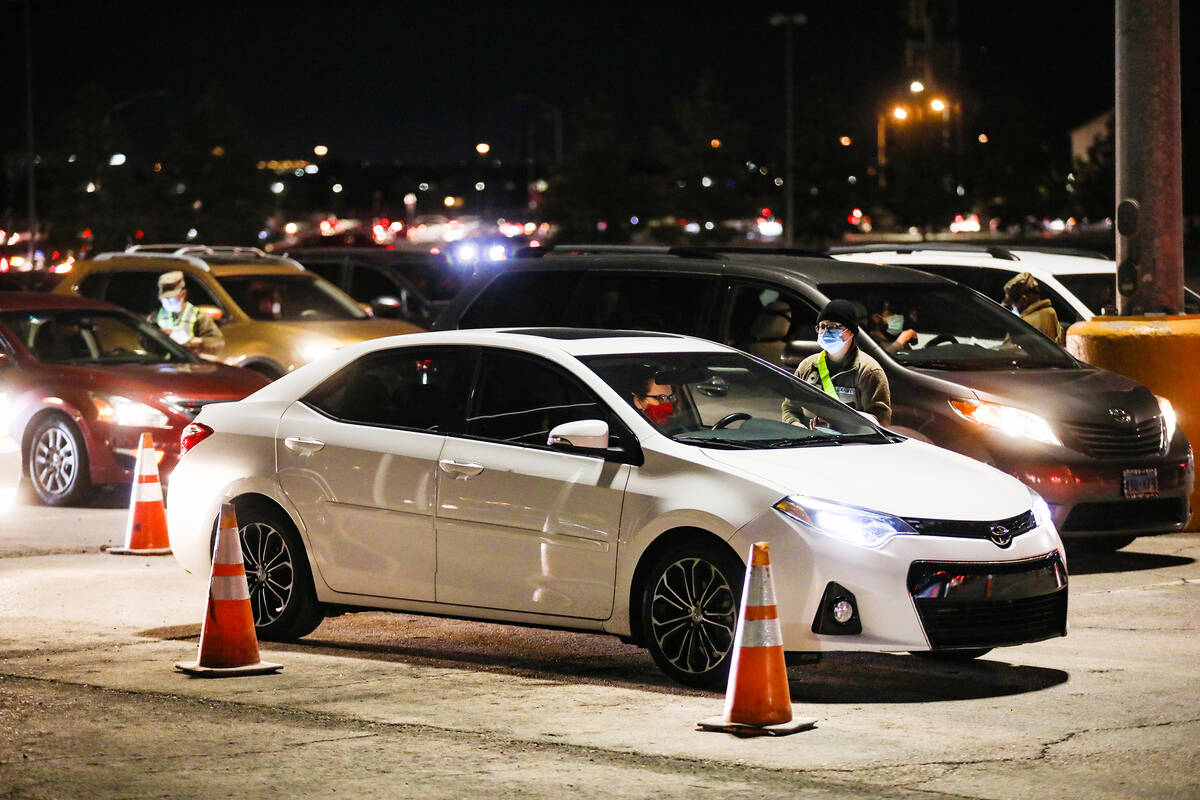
118 410
1041 510
1169 416
1006 419
858 526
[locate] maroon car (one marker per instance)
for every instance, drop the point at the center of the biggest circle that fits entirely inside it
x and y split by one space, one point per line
83 379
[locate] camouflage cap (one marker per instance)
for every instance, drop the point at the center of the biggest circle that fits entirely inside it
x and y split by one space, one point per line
170 284
1019 285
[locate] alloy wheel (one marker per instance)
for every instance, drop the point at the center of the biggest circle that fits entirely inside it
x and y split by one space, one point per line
55 461
693 615
270 573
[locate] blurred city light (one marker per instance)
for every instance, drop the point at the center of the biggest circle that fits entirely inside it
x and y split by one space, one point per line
900 112
480 186
276 187
321 150
483 148
706 182
497 253
983 139
291 229
845 141
91 187
714 143
218 151
410 199
448 201
916 87
312 169
337 188
937 104
116 160
424 187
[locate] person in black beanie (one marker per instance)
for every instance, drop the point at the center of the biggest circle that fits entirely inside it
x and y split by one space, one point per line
842 370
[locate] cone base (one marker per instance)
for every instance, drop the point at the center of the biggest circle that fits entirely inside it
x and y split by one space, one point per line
719 725
128 551
195 670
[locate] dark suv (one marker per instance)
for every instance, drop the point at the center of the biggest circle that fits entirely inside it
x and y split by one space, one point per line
1102 450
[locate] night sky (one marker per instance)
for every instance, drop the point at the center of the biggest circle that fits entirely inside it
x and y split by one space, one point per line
424 82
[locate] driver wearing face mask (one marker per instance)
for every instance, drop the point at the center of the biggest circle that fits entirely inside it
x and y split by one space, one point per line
841 370
182 321
655 400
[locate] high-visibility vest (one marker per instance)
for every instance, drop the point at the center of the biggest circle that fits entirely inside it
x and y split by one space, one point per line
182 328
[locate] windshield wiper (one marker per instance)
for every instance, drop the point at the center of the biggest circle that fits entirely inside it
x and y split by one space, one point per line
805 442
723 444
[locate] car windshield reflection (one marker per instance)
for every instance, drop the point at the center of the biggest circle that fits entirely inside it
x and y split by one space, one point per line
955 328
730 401
292 298
73 337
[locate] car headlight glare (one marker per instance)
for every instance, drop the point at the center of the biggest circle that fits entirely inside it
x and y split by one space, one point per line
313 349
117 410
1041 510
1006 419
1170 418
858 526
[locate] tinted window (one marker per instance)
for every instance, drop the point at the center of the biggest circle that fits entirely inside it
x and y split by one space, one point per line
330 272
524 299
421 388
520 399
761 320
136 291
368 284
645 302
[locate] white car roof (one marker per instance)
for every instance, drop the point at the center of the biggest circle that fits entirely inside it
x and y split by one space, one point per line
1033 261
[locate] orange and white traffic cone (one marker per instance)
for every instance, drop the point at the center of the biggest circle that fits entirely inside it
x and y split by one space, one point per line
757 699
146 531
228 644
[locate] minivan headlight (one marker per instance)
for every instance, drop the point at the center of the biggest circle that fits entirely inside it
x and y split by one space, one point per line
1169 416
858 526
118 410
1006 419
1041 510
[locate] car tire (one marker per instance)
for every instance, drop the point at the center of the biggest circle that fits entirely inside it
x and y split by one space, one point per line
690 602
282 597
58 463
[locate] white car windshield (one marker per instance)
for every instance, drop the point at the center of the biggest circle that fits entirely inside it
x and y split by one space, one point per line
955 328
730 400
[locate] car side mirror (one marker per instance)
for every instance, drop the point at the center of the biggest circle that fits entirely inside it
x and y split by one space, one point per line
589 434
211 311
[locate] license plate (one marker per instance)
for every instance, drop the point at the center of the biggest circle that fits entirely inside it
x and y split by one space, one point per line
1140 482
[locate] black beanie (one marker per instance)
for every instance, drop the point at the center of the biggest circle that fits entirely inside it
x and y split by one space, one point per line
841 312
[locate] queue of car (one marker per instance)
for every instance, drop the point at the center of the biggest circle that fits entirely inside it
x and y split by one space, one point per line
376 475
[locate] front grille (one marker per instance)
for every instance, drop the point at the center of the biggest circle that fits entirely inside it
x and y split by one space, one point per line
1111 441
971 529
990 605
1135 514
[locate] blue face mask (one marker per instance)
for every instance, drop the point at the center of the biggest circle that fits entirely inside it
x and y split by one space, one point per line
172 304
831 342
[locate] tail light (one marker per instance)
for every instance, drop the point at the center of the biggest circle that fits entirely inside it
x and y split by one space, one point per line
193 434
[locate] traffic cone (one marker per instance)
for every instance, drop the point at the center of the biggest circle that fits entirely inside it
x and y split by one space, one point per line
757 699
146 532
228 645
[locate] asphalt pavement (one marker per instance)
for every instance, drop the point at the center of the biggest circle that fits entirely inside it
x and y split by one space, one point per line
396 705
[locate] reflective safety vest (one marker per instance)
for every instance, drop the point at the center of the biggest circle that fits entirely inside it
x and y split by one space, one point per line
847 394
179 327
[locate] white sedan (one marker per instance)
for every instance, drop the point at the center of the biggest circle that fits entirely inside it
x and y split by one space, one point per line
609 482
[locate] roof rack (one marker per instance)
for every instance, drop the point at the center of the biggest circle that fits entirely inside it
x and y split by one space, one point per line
763 251
995 251
196 249
615 249
155 256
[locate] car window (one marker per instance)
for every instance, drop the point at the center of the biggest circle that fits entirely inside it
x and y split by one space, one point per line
92 337
368 284
986 281
330 272
761 320
134 290
645 302
420 388
526 299
519 399
296 297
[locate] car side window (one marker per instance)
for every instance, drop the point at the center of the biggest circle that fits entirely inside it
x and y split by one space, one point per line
645 302
533 298
761 320
330 272
136 291
93 285
423 389
197 293
368 284
520 399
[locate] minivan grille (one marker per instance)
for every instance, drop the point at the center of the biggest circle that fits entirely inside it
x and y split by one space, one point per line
1110 441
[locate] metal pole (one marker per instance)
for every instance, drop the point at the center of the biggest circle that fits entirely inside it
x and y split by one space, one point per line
1149 166
31 194
788 21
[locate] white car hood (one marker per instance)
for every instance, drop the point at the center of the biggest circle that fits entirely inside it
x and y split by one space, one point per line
908 479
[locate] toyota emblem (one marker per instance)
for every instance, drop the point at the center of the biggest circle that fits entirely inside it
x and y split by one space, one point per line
1121 416
1000 535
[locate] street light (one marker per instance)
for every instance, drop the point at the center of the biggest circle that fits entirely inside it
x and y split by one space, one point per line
483 148
789 21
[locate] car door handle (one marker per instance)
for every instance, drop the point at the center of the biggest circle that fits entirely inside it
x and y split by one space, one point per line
461 470
303 445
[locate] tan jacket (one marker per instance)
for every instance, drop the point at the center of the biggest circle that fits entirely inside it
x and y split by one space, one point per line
860 383
1042 316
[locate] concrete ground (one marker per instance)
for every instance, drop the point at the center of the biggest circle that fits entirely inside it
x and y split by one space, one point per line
390 705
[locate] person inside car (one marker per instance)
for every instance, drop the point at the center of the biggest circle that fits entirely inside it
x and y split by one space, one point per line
842 370
1023 295
182 321
655 401
890 329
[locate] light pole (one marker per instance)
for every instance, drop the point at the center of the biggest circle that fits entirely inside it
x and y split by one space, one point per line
788 21
31 195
